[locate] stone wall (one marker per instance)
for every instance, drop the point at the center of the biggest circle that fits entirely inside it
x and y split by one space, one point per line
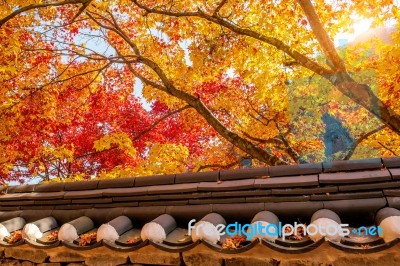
200 255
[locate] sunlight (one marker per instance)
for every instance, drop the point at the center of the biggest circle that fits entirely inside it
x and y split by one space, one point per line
360 26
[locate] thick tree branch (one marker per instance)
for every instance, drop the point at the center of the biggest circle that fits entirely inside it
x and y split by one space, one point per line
243 144
263 141
289 149
322 36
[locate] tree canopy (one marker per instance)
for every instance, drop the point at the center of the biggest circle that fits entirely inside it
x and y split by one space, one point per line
137 87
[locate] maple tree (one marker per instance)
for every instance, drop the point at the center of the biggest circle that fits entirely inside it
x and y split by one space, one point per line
225 81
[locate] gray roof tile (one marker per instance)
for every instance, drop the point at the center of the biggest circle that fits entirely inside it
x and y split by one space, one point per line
226 185
289 181
391 162
353 165
304 191
292 170
355 177
168 189
154 180
342 196
244 173
197 177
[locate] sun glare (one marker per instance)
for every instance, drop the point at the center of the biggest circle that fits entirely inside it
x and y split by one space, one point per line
360 26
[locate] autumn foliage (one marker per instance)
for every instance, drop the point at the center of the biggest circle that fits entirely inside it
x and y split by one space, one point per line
123 88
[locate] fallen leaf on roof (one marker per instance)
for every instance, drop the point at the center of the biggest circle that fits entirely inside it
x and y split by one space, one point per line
87 239
53 236
14 237
234 242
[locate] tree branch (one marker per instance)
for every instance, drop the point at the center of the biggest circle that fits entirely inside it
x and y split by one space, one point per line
322 36
159 121
360 93
300 58
36 6
361 139
167 86
387 148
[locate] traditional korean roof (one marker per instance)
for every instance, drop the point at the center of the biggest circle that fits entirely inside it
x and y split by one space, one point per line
355 190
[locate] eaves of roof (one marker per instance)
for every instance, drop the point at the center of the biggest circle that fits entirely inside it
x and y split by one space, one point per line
355 190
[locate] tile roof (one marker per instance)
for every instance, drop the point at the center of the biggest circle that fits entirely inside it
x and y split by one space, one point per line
355 190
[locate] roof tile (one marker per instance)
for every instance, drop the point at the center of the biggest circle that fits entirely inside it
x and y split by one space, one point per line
394 202
291 170
52 202
226 185
94 201
289 181
196 195
154 180
83 194
163 203
278 199
392 192
168 189
10 208
132 191
142 215
353 165
111 183
391 162
243 212
14 196
342 196
244 173
258 192
395 173
117 204
37 207
48 195
369 186
355 177
21 189
51 187
362 205
217 201
186 212
74 207
81 185
304 191
135 198
197 177
301 210
17 203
